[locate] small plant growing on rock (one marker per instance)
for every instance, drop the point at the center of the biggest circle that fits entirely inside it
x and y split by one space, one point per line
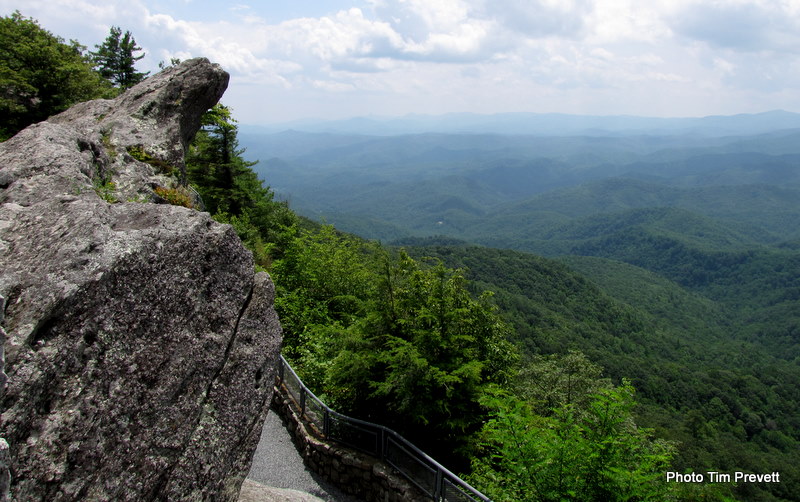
106 190
138 153
106 139
178 196
139 199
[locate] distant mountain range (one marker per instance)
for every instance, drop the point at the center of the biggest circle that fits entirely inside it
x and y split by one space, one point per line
543 124
488 188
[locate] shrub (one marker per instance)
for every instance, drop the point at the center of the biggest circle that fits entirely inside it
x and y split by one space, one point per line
138 153
178 196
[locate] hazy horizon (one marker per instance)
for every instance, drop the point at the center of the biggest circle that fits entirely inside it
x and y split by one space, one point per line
312 119
538 124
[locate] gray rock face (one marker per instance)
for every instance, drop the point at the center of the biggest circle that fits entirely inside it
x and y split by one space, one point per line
140 346
5 460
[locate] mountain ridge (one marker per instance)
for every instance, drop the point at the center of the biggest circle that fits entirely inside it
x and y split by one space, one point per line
545 124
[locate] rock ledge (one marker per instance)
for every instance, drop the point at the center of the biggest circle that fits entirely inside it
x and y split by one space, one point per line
140 346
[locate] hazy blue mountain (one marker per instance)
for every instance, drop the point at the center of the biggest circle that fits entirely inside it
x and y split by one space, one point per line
544 124
721 181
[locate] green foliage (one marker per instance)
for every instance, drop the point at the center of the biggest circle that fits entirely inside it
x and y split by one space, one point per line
106 191
373 333
570 435
726 393
177 196
232 192
590 453
115 59
138 152
426 336
324 282
172 62
550 382
40 74
551 308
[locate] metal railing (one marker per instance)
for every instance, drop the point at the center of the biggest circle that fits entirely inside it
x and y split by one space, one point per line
197 200
415 465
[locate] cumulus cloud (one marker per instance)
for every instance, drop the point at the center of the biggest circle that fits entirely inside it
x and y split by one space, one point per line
450 55
76 19
539 18
745 26
416 19
419 30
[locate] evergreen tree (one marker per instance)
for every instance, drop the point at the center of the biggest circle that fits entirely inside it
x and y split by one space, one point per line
231 190
594 453
115 59
570 435
40 75
420 357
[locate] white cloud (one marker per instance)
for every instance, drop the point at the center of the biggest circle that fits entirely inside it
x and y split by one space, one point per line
627 21
416 19
332 86
540 18
751 26
454 55
723 66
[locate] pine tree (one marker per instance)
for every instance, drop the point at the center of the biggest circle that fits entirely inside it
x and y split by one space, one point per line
115 59
230 189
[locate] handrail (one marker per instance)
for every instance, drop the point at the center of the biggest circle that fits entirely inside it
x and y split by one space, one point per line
198 199
390 447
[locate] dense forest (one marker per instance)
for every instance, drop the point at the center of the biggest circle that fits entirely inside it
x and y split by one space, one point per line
554 318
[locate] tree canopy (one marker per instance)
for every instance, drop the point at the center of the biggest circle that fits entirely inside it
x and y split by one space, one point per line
567 434
40 74
115 59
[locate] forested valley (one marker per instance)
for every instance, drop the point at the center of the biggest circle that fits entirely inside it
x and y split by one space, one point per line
665 259
553 317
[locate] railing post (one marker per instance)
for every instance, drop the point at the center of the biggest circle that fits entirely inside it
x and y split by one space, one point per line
437 496
281 366
326 423
302 400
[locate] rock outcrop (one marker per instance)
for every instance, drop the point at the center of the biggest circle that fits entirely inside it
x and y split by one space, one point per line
256 492
140 346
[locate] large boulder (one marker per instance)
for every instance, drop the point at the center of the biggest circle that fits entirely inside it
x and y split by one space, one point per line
140 346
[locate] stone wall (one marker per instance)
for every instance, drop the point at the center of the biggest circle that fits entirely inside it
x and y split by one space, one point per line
353 472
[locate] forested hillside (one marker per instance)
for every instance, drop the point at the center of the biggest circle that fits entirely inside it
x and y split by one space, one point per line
413 344
730 398
477 331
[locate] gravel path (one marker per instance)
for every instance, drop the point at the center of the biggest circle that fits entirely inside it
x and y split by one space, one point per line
277 463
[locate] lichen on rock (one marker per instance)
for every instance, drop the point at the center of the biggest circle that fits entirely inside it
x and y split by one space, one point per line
140 345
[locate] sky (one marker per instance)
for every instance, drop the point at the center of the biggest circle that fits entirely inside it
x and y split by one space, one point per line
333 59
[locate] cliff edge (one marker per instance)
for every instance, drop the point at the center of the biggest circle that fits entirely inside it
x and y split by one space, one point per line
140 346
